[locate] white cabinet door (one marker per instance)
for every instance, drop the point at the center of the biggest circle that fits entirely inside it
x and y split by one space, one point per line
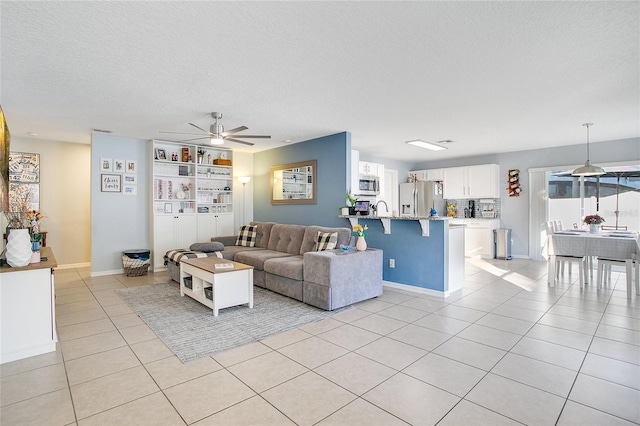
419 174
483 181
164 238
224 225
434 174
185 226
214 225
454 183
207 227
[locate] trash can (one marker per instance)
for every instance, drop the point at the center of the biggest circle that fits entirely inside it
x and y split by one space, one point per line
136 262
502 244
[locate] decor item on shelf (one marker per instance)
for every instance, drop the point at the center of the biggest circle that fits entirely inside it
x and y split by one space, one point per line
358 231
588 169
18 247
200 155
594 221
183 192
451 210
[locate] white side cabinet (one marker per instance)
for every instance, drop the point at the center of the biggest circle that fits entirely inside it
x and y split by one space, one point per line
214 225
172 232
481 181
27 309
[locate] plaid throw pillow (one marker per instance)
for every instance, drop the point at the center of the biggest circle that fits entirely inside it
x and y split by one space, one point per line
326 241
247 236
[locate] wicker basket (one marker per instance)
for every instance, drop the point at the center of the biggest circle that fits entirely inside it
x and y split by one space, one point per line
136 263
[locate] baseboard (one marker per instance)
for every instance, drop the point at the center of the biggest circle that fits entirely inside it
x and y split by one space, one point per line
415 289
74 265
102 273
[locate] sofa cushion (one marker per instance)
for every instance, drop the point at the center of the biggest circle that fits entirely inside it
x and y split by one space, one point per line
263 232
207 247
247 236
256 258
326 241
287 238
289 267
311 234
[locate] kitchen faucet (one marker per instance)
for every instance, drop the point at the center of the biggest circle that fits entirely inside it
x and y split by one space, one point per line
375 208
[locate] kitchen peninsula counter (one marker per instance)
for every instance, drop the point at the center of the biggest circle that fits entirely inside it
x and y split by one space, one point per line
27 309
427 253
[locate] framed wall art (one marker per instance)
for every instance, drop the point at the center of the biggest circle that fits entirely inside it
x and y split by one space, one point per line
111 183
132 166
130 179
118 166
106 164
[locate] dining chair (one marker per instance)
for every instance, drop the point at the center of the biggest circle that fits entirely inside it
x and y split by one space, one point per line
554 226
604 273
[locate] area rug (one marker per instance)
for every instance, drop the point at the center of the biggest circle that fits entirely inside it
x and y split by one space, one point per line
191 331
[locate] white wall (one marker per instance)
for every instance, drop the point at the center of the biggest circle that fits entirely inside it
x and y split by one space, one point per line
64 197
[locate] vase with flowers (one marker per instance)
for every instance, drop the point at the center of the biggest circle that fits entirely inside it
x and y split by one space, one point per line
34 217
358 231
594 221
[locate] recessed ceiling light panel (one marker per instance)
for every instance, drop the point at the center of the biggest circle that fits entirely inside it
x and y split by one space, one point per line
427 145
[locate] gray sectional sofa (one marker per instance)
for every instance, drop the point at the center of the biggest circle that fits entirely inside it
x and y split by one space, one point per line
285 261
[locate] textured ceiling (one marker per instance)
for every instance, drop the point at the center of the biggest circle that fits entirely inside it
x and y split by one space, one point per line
492 76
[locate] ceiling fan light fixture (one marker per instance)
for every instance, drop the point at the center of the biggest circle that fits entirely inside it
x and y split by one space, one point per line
588 169
216 140
427 145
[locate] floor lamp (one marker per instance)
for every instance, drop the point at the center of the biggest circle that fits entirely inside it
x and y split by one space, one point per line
243 180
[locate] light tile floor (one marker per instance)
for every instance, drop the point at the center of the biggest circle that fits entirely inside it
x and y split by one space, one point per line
506 349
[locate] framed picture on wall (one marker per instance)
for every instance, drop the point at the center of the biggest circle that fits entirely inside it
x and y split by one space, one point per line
118 166
130 179
130 189
106 164
111 183
132 166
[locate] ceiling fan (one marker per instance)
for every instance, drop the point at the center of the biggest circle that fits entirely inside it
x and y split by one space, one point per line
217 134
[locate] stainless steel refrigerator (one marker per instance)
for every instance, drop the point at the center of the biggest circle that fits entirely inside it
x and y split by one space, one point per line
418 198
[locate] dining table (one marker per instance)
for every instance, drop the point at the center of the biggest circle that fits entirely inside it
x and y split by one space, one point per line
623 246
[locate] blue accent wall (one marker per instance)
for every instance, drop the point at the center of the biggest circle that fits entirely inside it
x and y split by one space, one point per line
333 156
420 261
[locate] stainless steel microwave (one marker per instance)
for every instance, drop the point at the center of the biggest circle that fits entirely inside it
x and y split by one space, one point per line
369 185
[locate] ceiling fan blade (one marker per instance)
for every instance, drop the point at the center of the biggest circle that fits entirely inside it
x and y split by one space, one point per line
237 141
194 139
181 133
253 136
236 130
200 128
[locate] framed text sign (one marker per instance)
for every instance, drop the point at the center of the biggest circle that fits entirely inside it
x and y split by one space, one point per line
111 183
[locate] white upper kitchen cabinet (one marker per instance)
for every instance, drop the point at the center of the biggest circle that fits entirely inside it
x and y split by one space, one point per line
481 181
431 174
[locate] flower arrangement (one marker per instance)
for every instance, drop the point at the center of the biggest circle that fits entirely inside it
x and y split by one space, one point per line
358 230
34 216
451 210
593 219
186 186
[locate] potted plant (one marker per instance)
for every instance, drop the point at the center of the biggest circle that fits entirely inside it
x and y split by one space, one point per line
351 203
594 221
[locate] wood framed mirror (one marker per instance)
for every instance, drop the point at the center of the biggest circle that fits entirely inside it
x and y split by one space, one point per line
294 183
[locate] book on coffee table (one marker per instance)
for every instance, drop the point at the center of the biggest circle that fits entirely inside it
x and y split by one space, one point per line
223 266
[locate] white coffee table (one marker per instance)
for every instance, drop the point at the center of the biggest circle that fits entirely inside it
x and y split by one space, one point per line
230 287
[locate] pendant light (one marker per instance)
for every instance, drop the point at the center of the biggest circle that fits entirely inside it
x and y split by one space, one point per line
588 169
